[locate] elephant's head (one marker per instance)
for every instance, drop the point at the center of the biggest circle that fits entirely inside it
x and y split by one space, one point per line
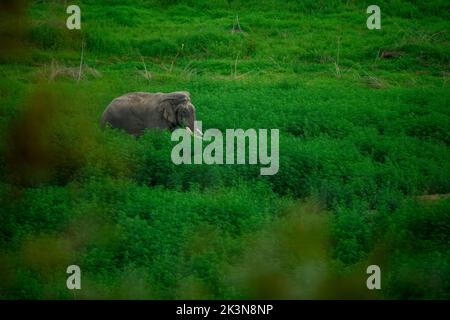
178 111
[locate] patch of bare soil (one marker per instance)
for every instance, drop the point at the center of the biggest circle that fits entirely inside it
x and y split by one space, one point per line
433 197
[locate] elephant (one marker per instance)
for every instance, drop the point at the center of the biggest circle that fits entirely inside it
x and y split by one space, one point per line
136 111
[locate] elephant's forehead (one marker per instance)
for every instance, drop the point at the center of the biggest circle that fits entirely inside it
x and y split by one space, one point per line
178 95
185 93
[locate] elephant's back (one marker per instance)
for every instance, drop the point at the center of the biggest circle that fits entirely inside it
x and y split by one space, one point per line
128 111
137 98
137 101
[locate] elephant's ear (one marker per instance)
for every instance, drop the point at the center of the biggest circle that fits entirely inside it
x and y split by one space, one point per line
171 102
169 112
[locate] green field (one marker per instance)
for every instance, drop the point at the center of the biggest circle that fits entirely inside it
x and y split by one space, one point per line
364 150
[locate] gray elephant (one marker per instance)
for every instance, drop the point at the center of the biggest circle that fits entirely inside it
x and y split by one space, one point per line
134 112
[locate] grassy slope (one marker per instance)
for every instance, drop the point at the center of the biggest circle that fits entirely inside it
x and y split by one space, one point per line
360 135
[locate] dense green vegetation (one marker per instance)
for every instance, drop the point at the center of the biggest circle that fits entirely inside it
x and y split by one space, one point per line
362 140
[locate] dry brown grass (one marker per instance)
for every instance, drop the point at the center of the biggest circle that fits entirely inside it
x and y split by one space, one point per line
57 70
375 82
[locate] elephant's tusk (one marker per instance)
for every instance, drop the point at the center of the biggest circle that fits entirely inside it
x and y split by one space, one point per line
198 132
198 135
